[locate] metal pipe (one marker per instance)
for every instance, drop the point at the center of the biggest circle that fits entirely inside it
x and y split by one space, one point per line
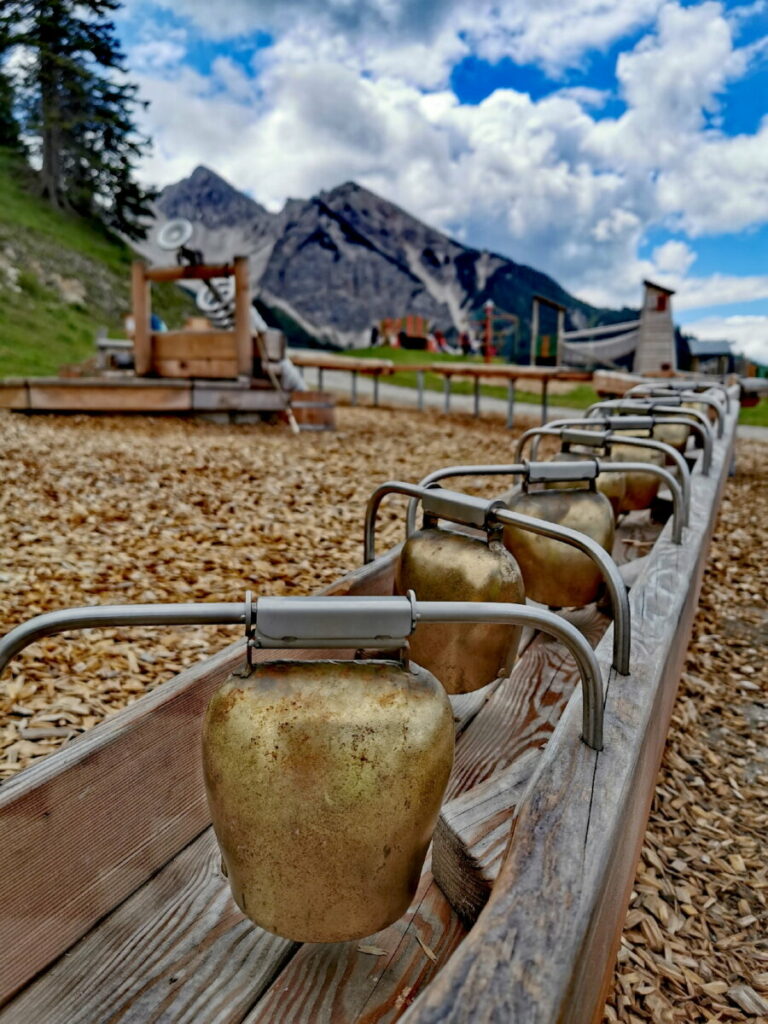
679 516
547 622
622 638
693 418
704 436
689 396
607 440
715 386
118 615
498 511
651 406
323 615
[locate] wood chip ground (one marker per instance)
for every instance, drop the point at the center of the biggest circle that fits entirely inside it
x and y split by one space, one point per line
96 511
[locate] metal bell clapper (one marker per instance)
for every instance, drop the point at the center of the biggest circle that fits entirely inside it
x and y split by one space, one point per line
606 441
467 510
325 778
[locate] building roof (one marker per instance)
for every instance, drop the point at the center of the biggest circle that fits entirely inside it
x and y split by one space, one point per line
658 287
708 349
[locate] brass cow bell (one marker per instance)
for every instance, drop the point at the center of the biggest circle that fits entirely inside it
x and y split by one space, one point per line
324 781
641 488
554 572
612 485
673 434
439 565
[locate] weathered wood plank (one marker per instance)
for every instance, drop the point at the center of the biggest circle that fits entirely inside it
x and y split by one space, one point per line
189 344
85 396
472 834
337 982
184 368
543 948
177 950
141 772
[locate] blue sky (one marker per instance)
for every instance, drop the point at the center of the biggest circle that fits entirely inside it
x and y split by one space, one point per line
599 142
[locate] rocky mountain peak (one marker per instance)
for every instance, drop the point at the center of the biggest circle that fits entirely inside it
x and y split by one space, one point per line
206 198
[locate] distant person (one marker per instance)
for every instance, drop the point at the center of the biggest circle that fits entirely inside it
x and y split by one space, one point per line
374 337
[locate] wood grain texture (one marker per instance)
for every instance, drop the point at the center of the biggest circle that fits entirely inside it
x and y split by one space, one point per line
242 326
208 344
85 396
222 369
543 948
339 983
472 834
111 807
141 303
177 950
13 396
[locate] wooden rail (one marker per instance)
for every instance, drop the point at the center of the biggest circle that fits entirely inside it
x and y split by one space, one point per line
477 372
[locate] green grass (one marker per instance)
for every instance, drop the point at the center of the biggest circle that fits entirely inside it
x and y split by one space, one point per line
39 330
756 415
579 397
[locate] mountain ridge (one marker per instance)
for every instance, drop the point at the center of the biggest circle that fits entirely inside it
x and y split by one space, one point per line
327 269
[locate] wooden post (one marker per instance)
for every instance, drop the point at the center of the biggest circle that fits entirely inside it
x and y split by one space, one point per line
142 310
560 330
488 332
534 330
243 341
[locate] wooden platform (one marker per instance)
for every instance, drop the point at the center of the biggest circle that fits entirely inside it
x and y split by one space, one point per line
114 908
125 394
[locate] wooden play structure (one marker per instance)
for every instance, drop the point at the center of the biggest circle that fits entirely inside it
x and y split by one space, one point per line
650 340
115 907
234 371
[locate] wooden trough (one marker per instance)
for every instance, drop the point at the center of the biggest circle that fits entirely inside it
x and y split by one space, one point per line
114 908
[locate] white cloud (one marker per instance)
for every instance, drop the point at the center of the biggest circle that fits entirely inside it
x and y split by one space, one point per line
545 181
749 334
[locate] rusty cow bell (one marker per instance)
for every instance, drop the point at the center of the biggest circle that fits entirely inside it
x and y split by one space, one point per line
612 485
555 573
440 565
324 781
641 488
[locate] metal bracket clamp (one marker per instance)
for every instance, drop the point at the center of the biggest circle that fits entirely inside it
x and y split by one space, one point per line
360 622
652 406
561 472
620 423
326 622
716 387
499 513
463 509
679 397
607 439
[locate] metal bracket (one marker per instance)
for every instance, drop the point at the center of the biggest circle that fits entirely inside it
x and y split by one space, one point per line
360 622
561 472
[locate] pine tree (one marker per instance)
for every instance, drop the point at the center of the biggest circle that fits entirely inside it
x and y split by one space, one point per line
9 128
79 110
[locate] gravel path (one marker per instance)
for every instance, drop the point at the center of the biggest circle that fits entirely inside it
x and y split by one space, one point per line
126 510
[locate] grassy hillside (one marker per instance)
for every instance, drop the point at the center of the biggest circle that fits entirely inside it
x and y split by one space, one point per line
61 278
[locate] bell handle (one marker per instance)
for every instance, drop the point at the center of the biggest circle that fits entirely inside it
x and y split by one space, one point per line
499 512
716 387
547 622
49 623
686 396
295 613
680 512
690 418
622 627
606 439
652 406
453 471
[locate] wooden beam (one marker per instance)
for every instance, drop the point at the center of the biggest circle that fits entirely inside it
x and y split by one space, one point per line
243 343
543 949
142 310
195 273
